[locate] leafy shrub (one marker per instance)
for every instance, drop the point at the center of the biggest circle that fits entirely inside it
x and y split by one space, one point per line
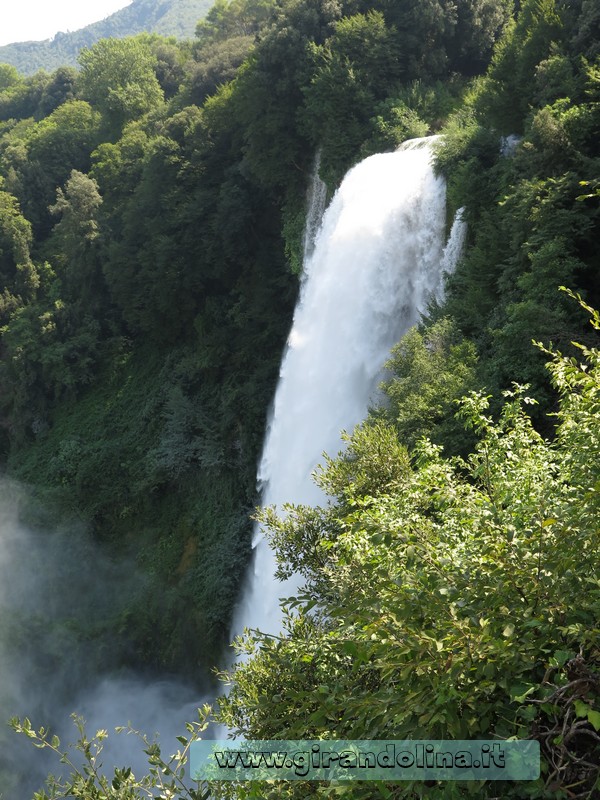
438 602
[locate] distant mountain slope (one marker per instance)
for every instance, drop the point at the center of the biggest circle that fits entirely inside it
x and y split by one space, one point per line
167 17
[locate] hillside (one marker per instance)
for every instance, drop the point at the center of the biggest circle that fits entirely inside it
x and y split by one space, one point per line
165 17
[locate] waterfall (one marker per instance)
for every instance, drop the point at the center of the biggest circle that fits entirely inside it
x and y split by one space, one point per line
316 199
456 244
508 144
377 260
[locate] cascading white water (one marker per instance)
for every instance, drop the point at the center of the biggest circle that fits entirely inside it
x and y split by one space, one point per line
377 260
317 198
456 243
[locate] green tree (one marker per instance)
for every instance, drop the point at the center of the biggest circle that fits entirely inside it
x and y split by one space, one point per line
118 78
218 63
18 276
9 76
587 28
59 90
430 371
171 57
117 168
59 143
77 237
355 69
22 98
479 24
234 18
507 89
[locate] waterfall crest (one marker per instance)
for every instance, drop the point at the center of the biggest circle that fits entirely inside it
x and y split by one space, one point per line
377 260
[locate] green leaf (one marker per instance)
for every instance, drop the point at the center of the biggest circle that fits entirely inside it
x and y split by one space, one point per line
561 657
520 697
594 718
581 708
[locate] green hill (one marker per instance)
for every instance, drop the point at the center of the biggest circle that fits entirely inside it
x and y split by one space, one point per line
166 17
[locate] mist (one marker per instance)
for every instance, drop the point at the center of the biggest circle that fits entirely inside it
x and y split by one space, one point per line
64 615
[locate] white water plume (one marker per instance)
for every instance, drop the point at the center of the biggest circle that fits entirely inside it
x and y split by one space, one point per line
377 261
317 199
456 244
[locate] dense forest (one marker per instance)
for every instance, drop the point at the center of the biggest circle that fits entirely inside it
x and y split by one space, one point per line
152 206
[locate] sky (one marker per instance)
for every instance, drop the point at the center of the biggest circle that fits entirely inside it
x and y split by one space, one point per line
24 20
